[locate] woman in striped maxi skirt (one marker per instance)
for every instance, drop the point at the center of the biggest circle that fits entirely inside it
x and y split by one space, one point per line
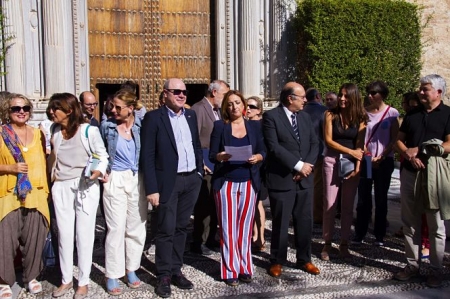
235 182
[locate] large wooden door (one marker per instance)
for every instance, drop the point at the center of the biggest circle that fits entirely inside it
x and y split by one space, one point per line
124 45
148 41
186 40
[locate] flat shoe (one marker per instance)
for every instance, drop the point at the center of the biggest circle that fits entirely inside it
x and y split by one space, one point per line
62 290
80 296
132 280
246 278
34 287
232 282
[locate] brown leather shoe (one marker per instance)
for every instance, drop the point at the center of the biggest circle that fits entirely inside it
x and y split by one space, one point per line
275 270
310 268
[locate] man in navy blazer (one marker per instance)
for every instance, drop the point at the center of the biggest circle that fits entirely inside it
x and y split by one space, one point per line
291 154
172 163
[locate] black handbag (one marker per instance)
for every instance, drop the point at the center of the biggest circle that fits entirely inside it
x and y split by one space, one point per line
48 254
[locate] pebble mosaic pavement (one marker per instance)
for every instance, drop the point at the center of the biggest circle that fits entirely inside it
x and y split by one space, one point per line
369 272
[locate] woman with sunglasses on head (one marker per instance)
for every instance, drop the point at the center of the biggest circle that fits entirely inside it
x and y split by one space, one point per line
235 185
344 129
75 190
381 134
123 200
255 112
24 214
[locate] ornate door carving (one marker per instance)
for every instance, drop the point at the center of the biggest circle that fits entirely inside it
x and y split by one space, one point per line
186 40
124 44
148 41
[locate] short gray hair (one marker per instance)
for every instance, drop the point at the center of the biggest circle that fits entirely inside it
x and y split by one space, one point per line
436 81
215 84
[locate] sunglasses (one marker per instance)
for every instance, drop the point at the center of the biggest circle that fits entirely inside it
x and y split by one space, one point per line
252 107
373 92
119 108
17 109
178 92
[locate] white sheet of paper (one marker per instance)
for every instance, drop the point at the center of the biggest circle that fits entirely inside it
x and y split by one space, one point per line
239 153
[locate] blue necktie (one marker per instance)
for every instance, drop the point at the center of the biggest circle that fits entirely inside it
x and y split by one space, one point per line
294 125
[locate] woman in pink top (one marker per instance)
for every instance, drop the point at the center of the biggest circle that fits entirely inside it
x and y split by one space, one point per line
381 133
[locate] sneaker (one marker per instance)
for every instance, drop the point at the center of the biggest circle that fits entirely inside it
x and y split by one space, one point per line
434 280
407 273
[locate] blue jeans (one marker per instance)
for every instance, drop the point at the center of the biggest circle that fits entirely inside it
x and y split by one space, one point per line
381 180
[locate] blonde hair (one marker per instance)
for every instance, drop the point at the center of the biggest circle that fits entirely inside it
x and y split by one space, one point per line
129 98
5 105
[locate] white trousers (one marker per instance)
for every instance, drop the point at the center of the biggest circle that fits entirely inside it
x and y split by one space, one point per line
126 214
76 206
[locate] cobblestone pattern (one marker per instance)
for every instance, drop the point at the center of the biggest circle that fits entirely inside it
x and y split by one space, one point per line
368 272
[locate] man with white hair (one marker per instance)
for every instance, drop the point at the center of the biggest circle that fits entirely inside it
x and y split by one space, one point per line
205 217
420 126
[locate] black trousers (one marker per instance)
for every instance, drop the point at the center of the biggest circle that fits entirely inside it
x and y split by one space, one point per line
283 204
173 218
205 215
381 180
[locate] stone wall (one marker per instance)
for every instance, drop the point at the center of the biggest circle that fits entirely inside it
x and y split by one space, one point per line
436 39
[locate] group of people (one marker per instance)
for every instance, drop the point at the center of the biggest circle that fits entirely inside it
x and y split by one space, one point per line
217 161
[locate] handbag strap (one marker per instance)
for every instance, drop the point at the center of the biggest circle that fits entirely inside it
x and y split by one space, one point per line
377 125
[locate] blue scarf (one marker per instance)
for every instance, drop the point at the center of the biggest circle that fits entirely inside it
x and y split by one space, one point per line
23 185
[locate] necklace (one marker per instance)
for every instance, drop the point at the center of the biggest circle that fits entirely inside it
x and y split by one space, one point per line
24 148
126 130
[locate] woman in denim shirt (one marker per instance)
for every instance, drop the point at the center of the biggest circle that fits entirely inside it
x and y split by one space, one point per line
123 200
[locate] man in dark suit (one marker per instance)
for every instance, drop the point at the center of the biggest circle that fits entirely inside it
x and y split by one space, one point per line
292 148
205 217
172 163
316 111
88 104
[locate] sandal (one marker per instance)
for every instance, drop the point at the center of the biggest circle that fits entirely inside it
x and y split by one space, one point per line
113 287
132 280
34 287
5 291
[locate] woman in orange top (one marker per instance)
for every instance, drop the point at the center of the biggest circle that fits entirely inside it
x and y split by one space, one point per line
23 194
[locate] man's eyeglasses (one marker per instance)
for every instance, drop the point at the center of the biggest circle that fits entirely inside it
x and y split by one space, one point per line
252 107
301 97
17 109
373 92
90 104
119 108
178 92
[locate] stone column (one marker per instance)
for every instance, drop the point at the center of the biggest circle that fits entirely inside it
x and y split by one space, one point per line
282 46
81 46
225 41
58 47
249 47
23 62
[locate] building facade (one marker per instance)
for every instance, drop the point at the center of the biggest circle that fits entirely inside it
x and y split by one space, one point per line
78 45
